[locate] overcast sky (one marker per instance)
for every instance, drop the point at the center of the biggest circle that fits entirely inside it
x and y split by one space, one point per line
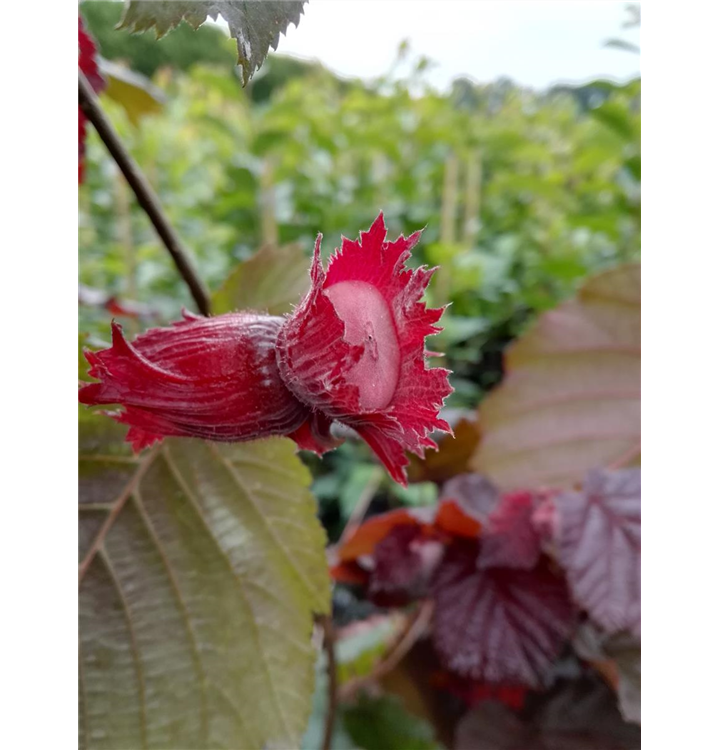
534 42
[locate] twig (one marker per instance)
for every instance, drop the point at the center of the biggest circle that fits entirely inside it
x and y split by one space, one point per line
412 632
333 685
142 189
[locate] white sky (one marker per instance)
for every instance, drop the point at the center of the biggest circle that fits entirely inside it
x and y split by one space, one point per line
534 42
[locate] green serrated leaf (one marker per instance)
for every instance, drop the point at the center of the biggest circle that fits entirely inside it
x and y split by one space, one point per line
272 280
255 25
201 565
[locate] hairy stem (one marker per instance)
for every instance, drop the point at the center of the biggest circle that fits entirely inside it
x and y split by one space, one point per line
142 189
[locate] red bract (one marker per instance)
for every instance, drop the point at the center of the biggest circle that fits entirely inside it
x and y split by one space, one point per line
352 351
355 348
88 65
213 378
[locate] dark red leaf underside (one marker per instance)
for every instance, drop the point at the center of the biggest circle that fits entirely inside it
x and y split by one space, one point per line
598 537
474 493
403 564
511 540
499 625
325 362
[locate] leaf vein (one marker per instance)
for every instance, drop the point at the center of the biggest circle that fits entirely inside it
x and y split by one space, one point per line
239 582
102 552
174 585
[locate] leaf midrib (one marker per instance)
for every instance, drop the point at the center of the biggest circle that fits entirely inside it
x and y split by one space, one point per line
231 470
184 611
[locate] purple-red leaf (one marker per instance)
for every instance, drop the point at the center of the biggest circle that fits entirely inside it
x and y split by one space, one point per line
474 493
511 539
403 564
570 399
598 537
365 539
500 625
